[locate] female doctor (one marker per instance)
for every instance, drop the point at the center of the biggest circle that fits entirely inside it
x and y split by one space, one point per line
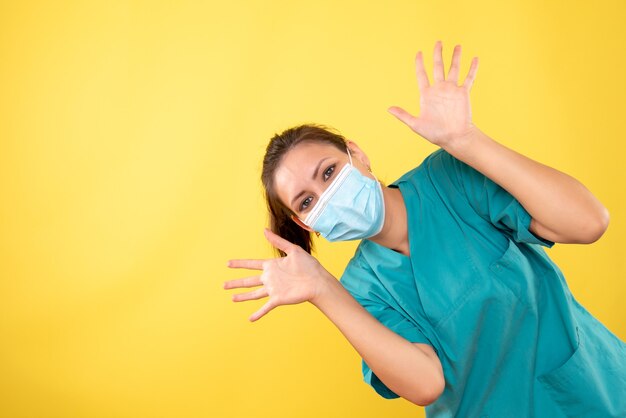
450 299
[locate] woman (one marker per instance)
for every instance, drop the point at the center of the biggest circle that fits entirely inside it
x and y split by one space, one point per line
449 299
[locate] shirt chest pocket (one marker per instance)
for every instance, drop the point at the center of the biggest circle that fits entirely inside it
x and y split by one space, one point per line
515 272
448 286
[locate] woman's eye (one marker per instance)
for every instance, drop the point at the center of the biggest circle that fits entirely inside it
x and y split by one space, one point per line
328 172
305 203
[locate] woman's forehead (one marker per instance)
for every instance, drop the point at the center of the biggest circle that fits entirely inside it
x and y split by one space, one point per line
309 153
297 166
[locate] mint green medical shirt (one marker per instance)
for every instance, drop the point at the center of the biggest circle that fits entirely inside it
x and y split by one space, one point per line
479 288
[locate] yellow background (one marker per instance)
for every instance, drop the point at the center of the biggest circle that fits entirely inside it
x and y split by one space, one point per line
131 139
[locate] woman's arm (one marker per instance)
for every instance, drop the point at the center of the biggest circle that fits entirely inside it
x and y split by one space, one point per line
412 371
562 208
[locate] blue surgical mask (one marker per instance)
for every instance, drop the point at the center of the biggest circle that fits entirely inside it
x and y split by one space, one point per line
351 208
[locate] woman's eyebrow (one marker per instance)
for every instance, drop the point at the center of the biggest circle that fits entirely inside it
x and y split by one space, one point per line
317 169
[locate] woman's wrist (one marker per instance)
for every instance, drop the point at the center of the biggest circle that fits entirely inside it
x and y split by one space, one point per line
462 144
326 291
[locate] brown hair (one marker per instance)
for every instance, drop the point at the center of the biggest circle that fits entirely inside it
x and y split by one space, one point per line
279 214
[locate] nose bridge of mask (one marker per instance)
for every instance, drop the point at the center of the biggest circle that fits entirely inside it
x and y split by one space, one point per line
323 199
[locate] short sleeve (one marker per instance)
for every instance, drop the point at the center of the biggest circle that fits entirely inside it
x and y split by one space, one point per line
491 201
363 285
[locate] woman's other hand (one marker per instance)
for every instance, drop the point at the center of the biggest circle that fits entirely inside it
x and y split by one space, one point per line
446 115
298 277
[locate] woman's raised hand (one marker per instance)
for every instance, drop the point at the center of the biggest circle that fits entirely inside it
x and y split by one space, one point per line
444 106
298 277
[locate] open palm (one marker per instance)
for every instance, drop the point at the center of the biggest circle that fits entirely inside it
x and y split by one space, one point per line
445 107
288 280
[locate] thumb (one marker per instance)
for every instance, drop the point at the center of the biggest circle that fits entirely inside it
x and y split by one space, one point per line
404 116
278 241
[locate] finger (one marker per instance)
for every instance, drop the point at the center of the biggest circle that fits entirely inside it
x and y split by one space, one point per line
245 282
469 80
255 294
453 74
420 72
279 242
264 309
403 115
246 264
438 74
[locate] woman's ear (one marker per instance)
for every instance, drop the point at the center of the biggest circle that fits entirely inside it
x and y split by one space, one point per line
301 224
358 153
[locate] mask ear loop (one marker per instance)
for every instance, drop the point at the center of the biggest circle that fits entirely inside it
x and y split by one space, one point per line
368 168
